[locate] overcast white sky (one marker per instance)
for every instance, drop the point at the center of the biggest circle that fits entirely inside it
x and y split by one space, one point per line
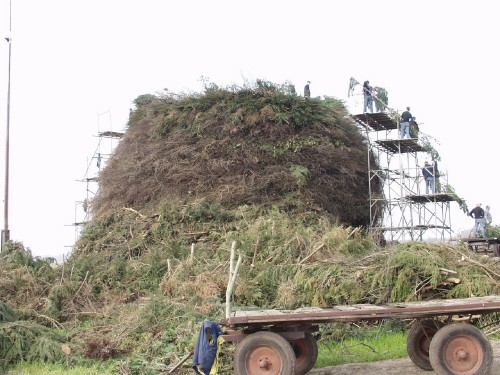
77 66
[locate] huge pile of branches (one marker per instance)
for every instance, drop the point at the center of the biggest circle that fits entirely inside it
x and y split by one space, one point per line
283 177
258 144
139 283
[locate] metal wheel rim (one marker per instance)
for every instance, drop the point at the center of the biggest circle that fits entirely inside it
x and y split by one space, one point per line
263 360
300 349
464 355
424 343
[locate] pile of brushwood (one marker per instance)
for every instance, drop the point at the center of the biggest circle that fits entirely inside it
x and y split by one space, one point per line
283 177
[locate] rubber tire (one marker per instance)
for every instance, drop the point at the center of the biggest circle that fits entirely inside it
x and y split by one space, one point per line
419 340
264 349
496 248
306 353
459 339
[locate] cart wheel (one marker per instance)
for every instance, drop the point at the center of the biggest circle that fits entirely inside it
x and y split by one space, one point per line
419 340
264 353
306 353
460 349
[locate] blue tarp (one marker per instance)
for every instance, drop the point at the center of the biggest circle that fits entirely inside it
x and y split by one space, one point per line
205 351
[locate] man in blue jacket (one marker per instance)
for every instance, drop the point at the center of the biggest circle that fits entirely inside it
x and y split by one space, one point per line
368 97
429 177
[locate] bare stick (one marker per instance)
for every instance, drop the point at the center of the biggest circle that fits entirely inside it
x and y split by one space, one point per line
134 211
81 285
255 252
179 364
314 252
233 271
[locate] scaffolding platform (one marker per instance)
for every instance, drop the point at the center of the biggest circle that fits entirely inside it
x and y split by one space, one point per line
431 198
397 146
376 121
110 134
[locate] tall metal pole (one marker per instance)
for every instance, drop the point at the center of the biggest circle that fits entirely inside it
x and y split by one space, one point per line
5 230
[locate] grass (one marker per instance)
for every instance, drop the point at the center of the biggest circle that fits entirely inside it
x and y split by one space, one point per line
59 369
356 350
389 345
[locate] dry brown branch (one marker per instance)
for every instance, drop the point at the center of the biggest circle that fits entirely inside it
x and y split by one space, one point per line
488 270
362 343
54 322
89 313
134 211
314 252
81 285
448 271
353 232
256 247
179 364
62 274
370 256
216 268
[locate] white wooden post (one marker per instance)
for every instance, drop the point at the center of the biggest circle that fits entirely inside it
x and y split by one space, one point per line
233 272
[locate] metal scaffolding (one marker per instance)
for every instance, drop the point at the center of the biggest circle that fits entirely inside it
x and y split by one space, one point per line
403 211
107 142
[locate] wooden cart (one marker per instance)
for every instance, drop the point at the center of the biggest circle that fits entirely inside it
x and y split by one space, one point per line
281 342
484 245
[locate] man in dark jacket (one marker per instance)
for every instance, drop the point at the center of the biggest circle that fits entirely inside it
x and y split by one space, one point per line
368 97
406 117
478 214
428 173
307 90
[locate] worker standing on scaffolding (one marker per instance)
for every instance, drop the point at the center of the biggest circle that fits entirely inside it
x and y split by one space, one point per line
368 97
406 117
428 173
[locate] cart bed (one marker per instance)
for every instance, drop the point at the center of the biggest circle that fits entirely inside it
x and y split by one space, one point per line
351 313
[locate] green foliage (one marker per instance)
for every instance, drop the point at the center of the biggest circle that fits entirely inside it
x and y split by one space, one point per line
144 99
492 231
6 313
292 145
428 145
15 255
461 202
206 211
300 173
381 99
27 341
258 102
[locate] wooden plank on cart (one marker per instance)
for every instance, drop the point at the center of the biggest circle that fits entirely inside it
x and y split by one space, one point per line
350 313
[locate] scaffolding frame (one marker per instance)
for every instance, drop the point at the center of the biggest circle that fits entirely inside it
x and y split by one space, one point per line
106 144
408 213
